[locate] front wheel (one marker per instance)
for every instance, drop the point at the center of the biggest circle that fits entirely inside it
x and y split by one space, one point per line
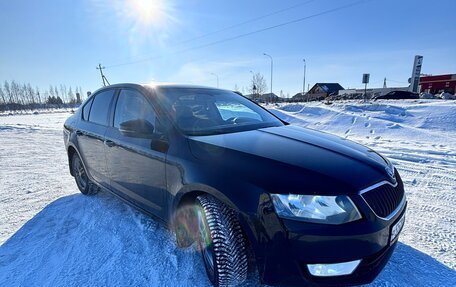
221 242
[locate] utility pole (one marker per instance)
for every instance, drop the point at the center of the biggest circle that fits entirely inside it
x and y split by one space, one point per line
304 78
103 78
272 69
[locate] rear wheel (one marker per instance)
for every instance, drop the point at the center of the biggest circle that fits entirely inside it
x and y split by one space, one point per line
80 175
221 242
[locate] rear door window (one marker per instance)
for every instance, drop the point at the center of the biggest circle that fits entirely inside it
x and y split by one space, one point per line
86 110
100 107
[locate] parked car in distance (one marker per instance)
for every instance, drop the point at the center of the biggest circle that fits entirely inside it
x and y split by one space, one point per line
248 190
399 95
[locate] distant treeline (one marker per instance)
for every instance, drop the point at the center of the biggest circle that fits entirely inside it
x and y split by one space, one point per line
18 96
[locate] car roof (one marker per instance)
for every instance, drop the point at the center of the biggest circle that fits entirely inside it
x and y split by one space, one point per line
157 85
152 86
175 85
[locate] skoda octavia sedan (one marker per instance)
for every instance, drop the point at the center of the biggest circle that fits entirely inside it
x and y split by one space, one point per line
249 191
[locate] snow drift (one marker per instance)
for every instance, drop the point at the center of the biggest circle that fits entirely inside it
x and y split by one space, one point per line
53 236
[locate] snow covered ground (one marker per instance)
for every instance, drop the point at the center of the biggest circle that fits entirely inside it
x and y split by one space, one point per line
50 235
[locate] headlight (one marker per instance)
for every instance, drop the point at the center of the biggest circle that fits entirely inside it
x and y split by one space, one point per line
315 208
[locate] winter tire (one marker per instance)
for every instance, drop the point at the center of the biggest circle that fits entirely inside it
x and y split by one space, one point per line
221 242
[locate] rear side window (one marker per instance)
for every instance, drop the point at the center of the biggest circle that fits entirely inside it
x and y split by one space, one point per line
100 107
86 110
132 105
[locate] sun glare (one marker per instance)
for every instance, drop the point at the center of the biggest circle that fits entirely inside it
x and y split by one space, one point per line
148 12
143 23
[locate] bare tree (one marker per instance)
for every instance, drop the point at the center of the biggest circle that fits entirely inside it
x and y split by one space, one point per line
8 93
2 95
16 93
258 84
30 93
51 91
38 95
64 93
19 96
22 95
71 98
56 92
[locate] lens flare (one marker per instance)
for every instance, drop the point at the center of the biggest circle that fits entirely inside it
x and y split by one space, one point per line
144 23
190 225
149 13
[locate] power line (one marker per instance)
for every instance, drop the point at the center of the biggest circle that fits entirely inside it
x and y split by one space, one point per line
247 22
248 33
242 23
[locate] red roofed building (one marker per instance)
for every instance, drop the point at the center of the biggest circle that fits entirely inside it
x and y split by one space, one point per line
438 84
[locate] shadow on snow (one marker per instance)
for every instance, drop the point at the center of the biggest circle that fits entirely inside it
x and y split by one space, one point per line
78 240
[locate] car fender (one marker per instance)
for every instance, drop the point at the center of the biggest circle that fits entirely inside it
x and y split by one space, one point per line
72 145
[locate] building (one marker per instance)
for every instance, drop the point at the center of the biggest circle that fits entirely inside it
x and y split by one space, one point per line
325 89
299 97
438 84
319 91
265 98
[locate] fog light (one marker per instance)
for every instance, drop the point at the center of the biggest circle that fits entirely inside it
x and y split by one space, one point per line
335 269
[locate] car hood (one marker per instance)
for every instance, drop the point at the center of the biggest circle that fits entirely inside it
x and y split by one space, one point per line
290 159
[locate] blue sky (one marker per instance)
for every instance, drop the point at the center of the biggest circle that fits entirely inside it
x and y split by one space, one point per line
61 41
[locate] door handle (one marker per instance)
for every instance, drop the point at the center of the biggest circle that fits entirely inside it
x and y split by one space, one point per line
79 133
109 143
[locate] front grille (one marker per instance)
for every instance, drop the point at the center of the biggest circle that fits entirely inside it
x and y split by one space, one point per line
386 198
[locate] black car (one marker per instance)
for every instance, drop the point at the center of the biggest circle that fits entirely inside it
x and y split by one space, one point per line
399 95
250 191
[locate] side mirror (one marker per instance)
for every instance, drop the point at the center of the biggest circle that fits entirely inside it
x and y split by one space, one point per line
139 128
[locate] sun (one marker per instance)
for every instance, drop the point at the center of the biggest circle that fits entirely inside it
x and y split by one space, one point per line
148 13
141 23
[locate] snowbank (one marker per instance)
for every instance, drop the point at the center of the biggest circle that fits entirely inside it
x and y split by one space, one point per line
53 236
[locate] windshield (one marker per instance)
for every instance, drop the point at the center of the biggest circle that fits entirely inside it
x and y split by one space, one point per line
200 111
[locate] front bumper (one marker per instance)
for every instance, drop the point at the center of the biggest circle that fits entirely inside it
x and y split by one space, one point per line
285 248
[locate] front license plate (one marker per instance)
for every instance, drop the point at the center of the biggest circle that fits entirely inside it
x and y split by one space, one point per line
397 227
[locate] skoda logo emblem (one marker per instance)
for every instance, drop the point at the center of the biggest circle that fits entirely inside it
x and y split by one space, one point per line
390 171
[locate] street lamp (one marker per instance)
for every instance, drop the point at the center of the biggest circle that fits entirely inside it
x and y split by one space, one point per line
272 68
217 78
304 78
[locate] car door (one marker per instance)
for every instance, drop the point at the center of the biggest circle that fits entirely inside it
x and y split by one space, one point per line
137 170
91 135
